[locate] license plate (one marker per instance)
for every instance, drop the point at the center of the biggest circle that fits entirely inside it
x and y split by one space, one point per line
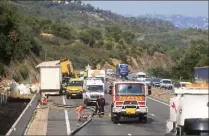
130 110
73 94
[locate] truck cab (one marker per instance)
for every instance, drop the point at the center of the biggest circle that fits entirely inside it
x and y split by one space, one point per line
93 88
140 76
189 111
74 88
129 100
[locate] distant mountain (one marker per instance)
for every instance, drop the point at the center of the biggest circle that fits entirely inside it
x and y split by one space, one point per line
183 21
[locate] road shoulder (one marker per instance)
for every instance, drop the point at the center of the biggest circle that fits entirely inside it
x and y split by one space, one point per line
38 125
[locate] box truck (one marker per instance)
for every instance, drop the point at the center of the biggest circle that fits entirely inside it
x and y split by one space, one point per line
50 77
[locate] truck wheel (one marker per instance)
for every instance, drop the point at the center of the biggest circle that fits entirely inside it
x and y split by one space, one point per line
115 120
143 119
67 96
85 102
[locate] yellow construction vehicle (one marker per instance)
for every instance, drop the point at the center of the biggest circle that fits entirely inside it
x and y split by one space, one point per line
66 67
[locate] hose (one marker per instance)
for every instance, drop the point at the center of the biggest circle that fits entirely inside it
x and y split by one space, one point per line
85 123
74 106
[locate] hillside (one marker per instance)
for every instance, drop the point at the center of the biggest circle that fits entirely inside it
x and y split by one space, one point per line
81 15
57 30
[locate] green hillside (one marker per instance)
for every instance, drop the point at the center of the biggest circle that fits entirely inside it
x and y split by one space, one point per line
91 36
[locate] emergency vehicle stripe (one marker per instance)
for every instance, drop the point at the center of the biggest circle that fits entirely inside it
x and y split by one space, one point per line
174 106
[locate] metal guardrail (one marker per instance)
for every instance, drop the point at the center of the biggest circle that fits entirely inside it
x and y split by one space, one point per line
18 128
3 99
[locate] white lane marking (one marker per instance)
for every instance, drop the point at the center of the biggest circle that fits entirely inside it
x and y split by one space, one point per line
129 134
66 118
158 101
152 114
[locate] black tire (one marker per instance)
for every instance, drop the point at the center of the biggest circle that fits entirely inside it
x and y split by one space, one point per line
111 113
67 96
85 102
143 119
115 120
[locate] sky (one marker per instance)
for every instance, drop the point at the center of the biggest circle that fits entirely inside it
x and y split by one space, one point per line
135 8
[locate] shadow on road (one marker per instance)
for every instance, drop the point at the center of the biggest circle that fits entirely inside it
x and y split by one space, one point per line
135 121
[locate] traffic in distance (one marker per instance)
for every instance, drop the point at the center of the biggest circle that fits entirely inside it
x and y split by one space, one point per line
129 93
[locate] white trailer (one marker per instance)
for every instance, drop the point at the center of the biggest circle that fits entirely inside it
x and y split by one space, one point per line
189 111
50 77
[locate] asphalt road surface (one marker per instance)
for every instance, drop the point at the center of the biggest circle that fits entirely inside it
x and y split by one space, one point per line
62 122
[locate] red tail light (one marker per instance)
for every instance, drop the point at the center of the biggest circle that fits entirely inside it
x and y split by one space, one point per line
119 104
141 104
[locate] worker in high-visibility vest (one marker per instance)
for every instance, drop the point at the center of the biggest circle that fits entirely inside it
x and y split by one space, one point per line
79 111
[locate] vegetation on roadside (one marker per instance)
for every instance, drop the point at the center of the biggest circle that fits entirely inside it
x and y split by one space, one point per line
90 36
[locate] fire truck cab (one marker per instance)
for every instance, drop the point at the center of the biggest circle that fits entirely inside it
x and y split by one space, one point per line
129 100
189 111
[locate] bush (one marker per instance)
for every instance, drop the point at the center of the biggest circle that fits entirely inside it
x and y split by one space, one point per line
17 77
2 69
23 70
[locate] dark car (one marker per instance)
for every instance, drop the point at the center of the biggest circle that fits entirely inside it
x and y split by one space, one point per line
155 82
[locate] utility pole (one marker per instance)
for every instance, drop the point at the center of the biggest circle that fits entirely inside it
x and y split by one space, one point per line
180 78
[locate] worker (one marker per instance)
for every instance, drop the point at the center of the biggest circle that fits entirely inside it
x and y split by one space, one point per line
100 103
79 111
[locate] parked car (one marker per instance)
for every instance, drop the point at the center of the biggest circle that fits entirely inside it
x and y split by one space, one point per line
155 82
166 84
148 81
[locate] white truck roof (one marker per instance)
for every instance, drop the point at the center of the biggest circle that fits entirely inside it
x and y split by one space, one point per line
94 82
193 89
55 63
165 79
140 73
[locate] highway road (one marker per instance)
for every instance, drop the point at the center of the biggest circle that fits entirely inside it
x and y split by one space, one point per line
62 122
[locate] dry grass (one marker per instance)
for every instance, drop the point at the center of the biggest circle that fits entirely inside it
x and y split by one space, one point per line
161 95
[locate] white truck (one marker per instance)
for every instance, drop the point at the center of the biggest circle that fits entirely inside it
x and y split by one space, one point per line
140 76
92 89
97 74
189 111
50 77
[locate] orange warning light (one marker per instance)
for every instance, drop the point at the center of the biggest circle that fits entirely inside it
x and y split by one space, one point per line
196 86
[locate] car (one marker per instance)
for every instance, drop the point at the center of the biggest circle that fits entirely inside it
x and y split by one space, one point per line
148 81
166 84
155 82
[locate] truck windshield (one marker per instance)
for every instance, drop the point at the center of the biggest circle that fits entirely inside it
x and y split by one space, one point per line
141 76
166 82
95 88
75 83
130 89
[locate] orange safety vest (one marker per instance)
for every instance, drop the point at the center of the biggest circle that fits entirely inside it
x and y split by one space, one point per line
79 109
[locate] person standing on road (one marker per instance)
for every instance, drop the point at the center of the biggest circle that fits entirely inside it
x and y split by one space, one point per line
79 111
100 103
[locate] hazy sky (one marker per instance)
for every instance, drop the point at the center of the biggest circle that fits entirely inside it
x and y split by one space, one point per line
134 8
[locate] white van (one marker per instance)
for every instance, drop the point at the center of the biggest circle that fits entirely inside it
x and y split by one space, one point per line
93 88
